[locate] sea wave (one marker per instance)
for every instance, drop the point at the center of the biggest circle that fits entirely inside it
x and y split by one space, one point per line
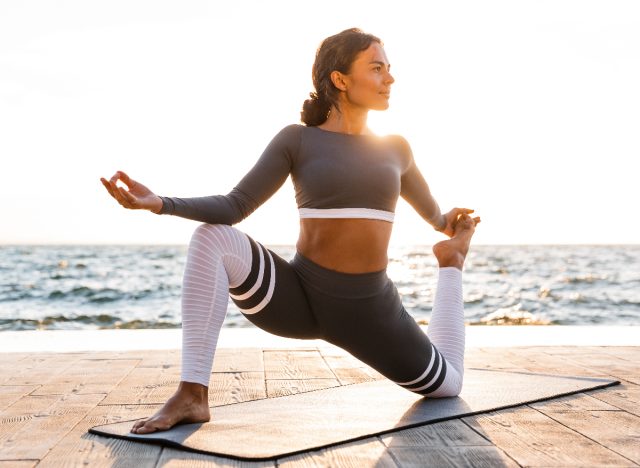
83 287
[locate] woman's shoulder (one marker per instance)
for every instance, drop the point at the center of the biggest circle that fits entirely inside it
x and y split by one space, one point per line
291 130
288 137
400 144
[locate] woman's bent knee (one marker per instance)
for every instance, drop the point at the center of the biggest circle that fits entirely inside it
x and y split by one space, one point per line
213 229
451 386
220 238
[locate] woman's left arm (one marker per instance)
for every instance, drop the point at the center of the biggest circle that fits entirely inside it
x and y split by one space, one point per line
416 192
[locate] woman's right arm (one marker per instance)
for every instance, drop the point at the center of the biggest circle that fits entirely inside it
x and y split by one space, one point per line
255 188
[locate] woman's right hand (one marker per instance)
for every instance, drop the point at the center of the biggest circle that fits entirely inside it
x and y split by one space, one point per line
135 197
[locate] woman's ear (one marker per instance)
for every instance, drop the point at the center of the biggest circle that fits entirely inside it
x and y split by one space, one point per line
338 80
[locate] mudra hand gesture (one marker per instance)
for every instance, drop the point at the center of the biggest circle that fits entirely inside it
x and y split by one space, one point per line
135 197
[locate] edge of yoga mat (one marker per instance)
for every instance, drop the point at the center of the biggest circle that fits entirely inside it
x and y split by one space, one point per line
117 430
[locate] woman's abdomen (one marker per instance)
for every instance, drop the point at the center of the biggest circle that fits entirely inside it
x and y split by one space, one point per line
345 245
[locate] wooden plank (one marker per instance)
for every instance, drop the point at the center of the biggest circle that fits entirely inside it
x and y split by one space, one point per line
289 365
536 360
9 394
534 439
626 397
628 353
497 359
633 379
350 370
88 376
569 350
171 458
33 425
608 365
487 358
18 463
366 452
278 388
236 387
617 430
238 360
328 349
226 359
164 358
452 433
11 361
138 355
81 449
576 402
38 369
453 457
600 361
567 360
145 385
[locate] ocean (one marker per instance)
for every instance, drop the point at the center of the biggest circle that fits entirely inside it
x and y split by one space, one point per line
138 286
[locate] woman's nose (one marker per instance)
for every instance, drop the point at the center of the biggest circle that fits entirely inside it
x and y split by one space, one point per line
390 79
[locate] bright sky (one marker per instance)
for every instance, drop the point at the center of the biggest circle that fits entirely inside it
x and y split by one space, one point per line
526 111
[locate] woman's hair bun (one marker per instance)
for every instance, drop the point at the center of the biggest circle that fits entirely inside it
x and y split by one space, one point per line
315 110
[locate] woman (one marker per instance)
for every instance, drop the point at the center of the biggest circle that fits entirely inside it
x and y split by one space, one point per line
347 183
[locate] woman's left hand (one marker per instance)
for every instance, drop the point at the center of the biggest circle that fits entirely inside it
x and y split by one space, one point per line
452 217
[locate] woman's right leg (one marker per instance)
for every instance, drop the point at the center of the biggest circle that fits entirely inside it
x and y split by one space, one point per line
223 260
218 256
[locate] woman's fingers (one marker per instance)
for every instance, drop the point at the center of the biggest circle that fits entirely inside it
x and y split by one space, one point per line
129 199
115 191
460 211
128 181
107 185
120 175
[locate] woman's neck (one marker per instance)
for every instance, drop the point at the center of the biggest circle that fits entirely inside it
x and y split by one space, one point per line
347 121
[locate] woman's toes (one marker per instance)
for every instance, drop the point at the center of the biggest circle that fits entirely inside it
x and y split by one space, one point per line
137 426
146 429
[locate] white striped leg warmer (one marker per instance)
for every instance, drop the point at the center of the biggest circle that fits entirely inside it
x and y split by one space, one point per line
446 330
219 257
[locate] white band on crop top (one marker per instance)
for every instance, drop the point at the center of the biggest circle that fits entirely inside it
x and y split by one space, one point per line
362 213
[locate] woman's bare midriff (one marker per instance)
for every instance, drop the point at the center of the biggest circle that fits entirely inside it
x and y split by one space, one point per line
345 245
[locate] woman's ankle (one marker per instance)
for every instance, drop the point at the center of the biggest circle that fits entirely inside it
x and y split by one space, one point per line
195 390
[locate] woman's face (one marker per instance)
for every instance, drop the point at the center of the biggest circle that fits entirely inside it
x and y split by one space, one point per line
368 83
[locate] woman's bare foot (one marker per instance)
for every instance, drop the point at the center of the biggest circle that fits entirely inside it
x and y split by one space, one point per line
190 404
452 252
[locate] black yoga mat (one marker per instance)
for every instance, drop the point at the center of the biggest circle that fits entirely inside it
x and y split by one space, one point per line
275 427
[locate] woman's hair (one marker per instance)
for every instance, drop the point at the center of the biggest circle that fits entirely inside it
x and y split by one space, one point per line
336 52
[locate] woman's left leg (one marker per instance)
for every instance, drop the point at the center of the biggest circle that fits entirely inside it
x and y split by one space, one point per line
364 315
380 332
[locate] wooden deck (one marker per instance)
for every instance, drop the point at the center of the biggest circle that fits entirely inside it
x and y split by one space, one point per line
48 401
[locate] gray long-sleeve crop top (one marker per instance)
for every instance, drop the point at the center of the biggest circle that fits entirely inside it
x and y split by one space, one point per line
335 175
